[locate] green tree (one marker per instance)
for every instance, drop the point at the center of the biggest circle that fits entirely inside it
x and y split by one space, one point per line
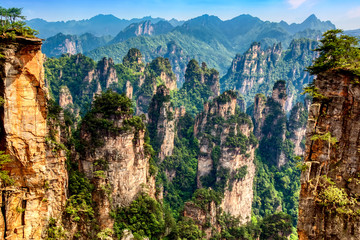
337 51
4 175
12 23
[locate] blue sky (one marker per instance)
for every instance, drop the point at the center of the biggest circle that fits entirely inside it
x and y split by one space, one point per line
344 14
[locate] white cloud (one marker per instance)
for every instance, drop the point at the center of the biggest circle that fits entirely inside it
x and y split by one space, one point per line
354 13
296 3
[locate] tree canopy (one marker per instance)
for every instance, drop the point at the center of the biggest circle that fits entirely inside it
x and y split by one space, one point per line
337 51
12 23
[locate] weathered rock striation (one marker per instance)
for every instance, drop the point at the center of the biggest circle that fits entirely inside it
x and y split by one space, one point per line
38 170
65 97
225 161
158 72
115 157
297 127
270 123
329 194
162 123
258 69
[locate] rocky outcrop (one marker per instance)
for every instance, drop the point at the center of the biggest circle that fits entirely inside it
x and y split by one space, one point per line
145 28
329 197
177 60
225 161
297 127
72 44
162 123
279 93
270 124
257 70
205 217
259 113
104 75
159 68
38 171
210 77
65 98
116 158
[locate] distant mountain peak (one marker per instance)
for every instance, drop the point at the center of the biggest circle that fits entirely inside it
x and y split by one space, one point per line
312 18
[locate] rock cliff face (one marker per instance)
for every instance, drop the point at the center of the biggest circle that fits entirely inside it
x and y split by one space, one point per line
205 217
118 163
177 60
104 76
72 44
227 147
65 98
145 28
157 73
297 127
162 123
329 197
257 70
38 171
270 123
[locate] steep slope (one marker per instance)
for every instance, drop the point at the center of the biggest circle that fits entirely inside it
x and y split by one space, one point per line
257 70
72 44
84 79
201 85
146 28
114 155
35 192
206 36
329 202
99 25
226 154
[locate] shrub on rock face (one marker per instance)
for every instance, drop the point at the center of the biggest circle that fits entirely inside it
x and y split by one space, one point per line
337 51
12 24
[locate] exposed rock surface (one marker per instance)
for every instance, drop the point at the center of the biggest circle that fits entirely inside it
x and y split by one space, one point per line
257 69
162 123
157 73
118 166
297 127
39 173
65 98
329 197
205 218
270 124
226 148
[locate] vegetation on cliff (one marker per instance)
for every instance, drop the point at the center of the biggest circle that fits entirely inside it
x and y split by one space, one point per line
337 51
12 24
197 87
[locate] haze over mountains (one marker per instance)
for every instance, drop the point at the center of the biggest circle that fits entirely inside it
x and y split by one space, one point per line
99 25
205 38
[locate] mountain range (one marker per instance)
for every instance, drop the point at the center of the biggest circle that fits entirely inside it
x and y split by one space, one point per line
205 38
99 25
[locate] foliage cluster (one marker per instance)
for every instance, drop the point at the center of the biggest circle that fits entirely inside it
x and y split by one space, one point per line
54 231
194 93
337 51
105 109
12 24
4 174
183 163
145 217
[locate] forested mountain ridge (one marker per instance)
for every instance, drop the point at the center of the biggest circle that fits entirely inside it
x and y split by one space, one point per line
72 44
205 38
99 25
259 68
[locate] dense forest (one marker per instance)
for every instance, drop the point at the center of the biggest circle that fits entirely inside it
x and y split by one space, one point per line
148 155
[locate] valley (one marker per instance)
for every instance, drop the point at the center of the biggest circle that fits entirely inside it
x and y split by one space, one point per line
151 129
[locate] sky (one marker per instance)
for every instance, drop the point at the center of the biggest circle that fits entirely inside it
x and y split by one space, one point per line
345 14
